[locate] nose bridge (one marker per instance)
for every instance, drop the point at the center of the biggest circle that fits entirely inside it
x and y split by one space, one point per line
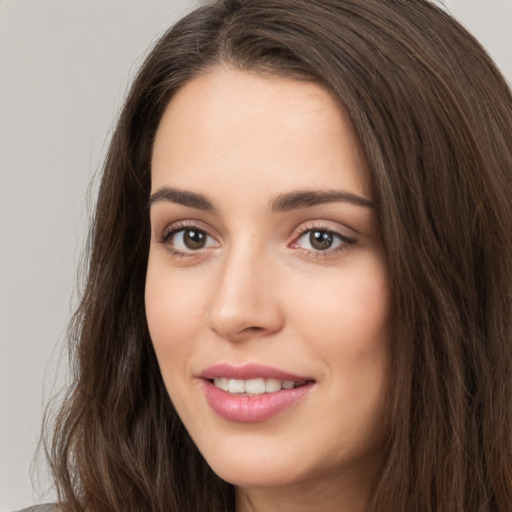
244 301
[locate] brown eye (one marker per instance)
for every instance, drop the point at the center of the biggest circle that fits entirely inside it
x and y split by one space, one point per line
194 239
188 240
321 240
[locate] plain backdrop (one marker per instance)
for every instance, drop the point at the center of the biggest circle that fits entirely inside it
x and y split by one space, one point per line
65 66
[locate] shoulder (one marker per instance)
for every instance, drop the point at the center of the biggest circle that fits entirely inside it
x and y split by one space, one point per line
48 507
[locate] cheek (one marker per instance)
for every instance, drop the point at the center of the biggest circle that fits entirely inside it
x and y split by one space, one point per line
347 326
353 309
174 315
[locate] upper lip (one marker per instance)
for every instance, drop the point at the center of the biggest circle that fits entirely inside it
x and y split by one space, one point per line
249 371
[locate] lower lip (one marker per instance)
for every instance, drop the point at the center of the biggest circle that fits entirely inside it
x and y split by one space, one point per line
255 408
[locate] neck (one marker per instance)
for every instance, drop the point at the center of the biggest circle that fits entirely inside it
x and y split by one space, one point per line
351 496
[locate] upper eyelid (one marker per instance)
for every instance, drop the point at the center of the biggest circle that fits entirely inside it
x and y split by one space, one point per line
324 226
180 225
299 230
341 236
167 234
328 230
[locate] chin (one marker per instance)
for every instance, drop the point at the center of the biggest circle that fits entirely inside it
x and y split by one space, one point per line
251 474
253 466
254 463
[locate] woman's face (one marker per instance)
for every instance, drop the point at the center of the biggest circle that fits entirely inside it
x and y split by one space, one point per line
267 293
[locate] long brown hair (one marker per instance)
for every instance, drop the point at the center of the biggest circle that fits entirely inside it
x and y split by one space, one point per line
434 118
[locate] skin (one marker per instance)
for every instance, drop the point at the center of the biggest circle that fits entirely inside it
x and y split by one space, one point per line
259 292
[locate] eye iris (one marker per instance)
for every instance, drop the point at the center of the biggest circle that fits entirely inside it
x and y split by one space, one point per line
320 240
194 239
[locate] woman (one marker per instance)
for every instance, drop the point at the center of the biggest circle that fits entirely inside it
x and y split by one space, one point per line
300 274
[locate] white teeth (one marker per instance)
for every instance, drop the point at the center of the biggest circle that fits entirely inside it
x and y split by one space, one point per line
272 385
236 386
254 386
222 384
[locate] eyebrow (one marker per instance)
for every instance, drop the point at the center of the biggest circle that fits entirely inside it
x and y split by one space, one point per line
308 198
282 203
190 199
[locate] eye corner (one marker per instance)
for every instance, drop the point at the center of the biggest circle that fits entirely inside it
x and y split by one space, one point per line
318 240
187 239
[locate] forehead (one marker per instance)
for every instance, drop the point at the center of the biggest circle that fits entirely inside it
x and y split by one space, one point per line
234 125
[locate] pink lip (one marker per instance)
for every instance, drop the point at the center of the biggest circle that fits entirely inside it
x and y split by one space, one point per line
256 408
249 371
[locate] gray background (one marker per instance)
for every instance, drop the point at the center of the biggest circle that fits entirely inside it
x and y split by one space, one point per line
64 69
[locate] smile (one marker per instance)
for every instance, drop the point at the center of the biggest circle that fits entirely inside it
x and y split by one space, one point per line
252 393
257 386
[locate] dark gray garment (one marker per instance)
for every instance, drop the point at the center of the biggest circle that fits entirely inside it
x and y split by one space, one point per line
48 507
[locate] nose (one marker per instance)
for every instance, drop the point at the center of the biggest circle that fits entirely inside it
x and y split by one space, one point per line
245 302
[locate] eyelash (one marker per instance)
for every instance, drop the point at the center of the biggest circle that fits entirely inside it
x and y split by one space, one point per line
175 228
345 242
